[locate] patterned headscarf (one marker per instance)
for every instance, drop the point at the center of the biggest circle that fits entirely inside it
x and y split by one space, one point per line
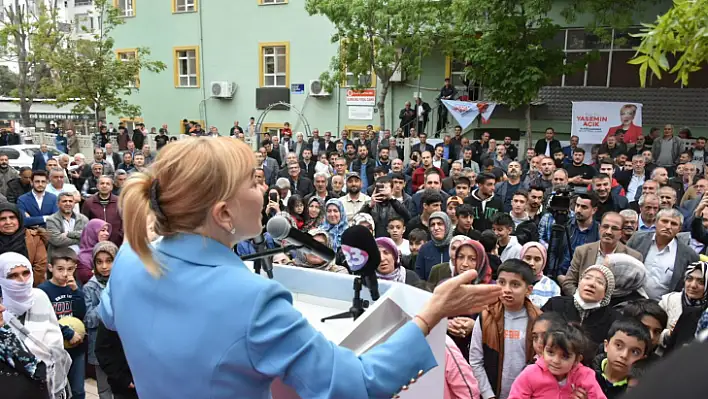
703 268
584 308
361 217
335 231
399 273
311 223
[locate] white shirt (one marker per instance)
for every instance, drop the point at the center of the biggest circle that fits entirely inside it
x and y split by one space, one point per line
404 248
548 149
634 184
66 188
421 110
38 198
660 269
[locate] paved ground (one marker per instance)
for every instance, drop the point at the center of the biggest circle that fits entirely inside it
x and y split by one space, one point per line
91 391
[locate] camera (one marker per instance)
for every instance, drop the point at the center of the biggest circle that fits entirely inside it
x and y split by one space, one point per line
559 204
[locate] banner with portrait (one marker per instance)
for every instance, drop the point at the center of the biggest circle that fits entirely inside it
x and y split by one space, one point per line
594 121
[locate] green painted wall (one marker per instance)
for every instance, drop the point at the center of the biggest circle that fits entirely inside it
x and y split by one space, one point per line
228 33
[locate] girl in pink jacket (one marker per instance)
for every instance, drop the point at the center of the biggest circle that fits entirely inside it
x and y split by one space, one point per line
459 380
558 374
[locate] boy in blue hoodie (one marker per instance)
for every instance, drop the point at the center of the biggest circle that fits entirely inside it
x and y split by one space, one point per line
68 301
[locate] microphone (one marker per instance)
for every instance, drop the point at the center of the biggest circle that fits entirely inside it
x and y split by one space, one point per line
280 229
363 256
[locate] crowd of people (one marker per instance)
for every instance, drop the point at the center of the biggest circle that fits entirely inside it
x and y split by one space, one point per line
592 295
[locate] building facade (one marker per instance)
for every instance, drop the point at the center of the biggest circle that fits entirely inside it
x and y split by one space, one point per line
229 60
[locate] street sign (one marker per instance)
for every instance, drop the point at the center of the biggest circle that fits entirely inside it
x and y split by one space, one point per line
297 88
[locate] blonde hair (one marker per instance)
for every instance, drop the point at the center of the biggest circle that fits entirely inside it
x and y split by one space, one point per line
187 191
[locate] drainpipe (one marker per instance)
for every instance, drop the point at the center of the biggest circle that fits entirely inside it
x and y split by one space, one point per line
201 64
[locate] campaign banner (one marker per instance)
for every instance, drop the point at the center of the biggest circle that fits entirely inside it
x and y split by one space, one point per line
366 97
464 112
594 121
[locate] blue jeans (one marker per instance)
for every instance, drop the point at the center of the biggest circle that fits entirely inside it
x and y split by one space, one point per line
77 375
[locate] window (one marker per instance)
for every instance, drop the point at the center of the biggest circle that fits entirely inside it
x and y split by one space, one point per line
127 7
184 6
269 2
83 23
455 70
367 80
186 60
274 64
83 2
129 55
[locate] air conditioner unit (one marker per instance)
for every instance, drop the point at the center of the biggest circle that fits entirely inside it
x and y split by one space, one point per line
317 89
223 89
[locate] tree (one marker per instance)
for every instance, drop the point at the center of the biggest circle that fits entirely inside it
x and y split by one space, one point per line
379 36
8 81
93 76
682 32
508 44
30 33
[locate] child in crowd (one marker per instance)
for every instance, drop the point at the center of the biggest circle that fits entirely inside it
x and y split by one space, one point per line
653 317
558 373
502 343
627 342
68 301
543 323
488 239
508 246
534 253
103 255
416 239
396 227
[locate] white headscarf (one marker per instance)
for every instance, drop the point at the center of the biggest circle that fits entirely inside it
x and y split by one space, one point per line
17 297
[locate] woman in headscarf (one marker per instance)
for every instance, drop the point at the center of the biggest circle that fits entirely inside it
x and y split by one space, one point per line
96 230
364 219
630 274
314 215
436 250
30 243
445 270
693 296
589 306
469 255
33 329
335 222
390 267
534 253
309 261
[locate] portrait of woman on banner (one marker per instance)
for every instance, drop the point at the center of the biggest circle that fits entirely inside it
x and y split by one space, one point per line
631 131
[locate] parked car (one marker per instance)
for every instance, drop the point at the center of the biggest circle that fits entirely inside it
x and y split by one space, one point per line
23 154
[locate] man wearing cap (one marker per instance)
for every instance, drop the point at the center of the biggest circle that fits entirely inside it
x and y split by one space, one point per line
355 199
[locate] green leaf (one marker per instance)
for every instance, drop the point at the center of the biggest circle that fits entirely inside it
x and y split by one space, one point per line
638 60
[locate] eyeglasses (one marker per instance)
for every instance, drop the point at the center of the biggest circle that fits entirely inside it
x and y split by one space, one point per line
608 227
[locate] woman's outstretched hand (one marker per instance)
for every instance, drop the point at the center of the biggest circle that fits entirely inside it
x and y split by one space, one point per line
456 297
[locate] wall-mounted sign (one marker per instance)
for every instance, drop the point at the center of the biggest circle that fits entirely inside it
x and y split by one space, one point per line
361 113
366 97
297 88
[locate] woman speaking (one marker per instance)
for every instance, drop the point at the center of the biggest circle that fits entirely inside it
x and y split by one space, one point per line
195 322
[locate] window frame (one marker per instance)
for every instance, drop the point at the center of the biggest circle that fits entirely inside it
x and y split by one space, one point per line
176 59
185 11
261 63
132 121
134 51
201 122
272 2
89 18
116 4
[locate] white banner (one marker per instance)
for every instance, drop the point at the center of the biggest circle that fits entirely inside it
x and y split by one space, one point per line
361 113
594 121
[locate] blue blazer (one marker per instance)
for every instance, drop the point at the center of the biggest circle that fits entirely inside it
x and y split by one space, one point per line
210 328
39 163
27 203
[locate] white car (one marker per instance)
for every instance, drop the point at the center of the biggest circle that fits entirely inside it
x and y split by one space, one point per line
23 154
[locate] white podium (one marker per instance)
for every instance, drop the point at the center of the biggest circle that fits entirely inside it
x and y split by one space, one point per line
318 294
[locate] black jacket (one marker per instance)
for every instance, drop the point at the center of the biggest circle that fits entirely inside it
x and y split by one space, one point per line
541 146
382 212
138 139
304 186
483 214
15 188
20 386
370 165
595 325
309 169
407 117
111 358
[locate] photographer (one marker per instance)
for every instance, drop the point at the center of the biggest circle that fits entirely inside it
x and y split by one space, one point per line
383 207
577 230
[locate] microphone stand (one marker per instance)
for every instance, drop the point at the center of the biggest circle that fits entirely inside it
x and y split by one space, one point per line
358 304
263 259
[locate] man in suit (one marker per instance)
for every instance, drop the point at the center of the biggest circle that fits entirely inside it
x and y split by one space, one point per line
548 145
407 117
307 164
37 205
298 145
299 183
448 183
57 225
595 252
329 144
316 143
666 254
269 165
422 146
41 158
